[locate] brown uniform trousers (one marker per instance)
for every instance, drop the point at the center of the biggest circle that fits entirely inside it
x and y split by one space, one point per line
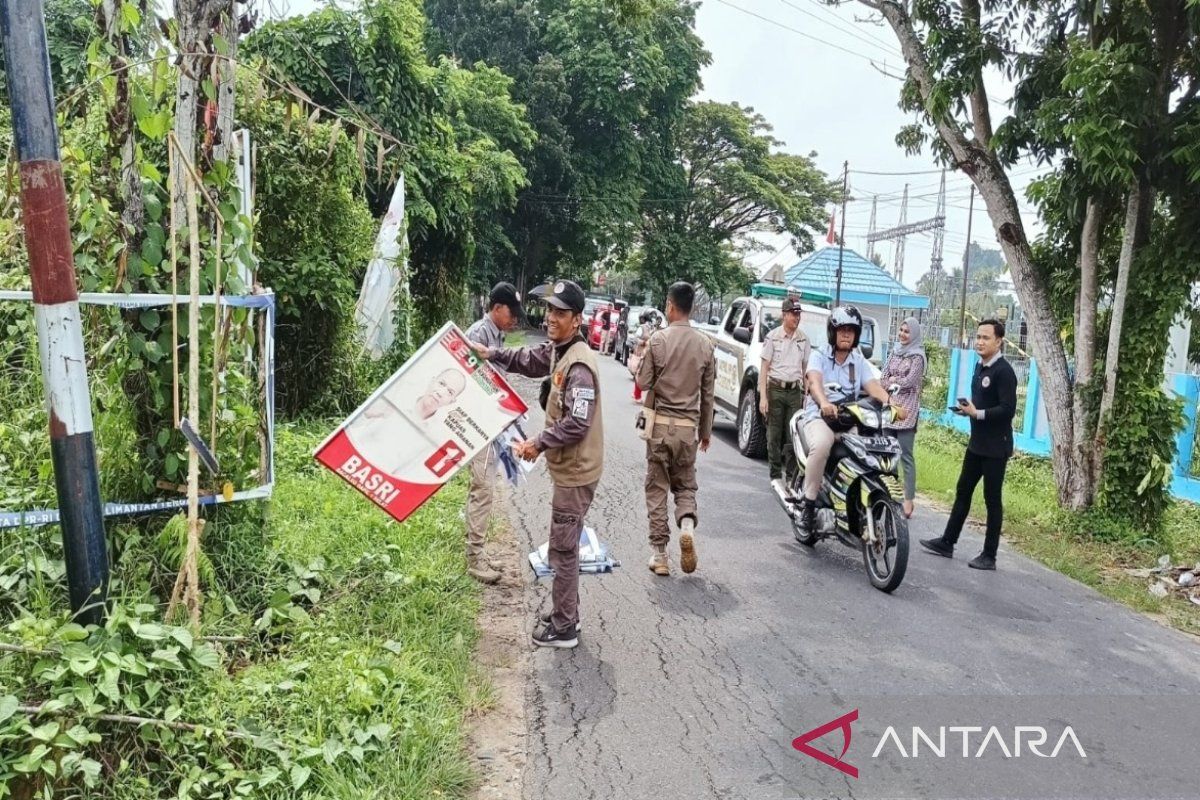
680 369
670 466
479 503
569 506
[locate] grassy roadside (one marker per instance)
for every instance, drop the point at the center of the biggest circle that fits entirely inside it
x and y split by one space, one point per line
1090 549
353 671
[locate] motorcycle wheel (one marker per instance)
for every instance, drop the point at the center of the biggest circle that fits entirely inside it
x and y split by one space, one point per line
806 538
887 560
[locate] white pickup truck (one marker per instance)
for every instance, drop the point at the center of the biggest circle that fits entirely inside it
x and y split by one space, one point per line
739 341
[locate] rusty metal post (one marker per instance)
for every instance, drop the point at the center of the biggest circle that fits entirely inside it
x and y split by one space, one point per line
56 305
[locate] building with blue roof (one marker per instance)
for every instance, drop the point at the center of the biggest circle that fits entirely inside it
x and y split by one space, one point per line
865 285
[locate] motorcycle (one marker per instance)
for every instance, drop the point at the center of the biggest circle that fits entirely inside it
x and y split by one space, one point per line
860 498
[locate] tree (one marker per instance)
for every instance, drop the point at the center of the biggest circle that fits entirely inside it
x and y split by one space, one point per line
454 132
1094 91
726 183
602 82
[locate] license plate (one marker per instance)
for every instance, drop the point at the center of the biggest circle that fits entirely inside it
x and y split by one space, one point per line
880 443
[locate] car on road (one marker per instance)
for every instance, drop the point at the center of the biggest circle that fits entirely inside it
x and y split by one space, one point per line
739 340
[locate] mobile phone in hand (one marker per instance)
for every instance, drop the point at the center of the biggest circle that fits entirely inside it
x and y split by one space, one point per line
962 401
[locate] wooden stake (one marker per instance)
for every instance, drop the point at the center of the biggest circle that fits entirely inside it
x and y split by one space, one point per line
174 282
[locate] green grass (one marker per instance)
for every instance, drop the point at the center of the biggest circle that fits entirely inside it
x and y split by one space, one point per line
392 643
1089 548
389 640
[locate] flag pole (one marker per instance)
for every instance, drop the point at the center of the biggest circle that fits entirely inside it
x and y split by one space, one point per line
837 301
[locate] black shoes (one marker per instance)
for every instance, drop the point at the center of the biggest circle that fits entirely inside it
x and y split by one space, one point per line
548 637
938 546
808 511
982 561
545 620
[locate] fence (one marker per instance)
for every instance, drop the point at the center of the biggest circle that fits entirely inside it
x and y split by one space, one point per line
1031 428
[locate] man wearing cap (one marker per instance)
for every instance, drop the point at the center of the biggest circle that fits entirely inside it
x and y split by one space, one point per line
503 314
785 354
677 374
573 443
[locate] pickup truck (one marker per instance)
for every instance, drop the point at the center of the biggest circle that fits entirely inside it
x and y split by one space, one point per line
739 340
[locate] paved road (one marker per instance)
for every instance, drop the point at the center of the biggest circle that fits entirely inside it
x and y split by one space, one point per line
695 686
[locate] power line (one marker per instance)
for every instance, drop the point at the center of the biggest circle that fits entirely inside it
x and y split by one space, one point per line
891 51
809 36
835 15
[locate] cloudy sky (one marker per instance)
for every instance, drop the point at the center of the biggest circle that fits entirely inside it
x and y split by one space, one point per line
816 73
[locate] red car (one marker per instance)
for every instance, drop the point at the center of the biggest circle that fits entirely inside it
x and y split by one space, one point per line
603 321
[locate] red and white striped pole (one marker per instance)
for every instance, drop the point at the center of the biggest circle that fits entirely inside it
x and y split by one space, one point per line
56 304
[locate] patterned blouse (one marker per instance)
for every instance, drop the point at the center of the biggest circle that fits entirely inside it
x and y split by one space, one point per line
909 373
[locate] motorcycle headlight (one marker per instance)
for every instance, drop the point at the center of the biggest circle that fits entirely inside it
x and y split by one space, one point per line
871 462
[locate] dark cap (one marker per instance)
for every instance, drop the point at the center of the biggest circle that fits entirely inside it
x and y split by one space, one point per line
566 295
505 294
791 304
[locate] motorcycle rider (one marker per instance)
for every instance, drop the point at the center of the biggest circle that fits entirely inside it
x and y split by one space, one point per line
841 363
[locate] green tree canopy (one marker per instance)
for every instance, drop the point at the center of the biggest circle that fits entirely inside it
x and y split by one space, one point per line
727 183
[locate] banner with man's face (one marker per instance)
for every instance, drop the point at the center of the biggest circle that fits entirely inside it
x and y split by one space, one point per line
411 436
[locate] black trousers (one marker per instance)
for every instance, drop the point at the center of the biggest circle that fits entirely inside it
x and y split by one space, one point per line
991 470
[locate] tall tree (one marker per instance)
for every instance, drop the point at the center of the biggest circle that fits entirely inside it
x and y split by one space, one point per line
1095 89
602 82
724 185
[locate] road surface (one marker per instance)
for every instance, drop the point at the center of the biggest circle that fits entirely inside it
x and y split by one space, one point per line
695 686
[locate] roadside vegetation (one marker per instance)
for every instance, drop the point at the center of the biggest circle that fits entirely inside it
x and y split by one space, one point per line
342 666
1093 548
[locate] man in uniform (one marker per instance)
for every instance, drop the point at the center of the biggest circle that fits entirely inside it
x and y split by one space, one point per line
573 442
677 373
504 311
781 388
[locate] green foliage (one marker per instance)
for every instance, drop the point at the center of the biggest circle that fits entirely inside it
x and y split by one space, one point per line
353 670
314 237
725 182
603 83
458 133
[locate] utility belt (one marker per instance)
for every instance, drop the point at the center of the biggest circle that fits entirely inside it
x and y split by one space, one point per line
778 384
678 422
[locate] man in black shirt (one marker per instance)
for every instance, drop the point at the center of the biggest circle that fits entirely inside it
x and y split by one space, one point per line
991 409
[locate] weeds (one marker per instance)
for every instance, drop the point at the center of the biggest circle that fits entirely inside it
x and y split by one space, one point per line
343 670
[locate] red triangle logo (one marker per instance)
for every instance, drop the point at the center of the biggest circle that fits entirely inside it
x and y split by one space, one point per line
801 743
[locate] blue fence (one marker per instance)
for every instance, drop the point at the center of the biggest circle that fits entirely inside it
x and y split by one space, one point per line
1033 435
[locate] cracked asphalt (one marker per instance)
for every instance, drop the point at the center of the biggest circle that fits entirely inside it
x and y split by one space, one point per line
695 686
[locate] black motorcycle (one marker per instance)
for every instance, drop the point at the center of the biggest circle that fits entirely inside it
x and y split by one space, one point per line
860 498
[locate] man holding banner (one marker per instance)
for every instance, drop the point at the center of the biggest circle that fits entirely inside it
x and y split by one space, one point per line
504 311
573 442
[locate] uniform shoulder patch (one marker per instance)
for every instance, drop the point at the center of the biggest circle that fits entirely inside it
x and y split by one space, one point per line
581 408
585 393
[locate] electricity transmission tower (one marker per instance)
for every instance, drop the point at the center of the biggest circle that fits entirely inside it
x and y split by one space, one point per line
903 229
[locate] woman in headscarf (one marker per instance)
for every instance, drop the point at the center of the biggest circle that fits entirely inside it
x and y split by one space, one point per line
906 368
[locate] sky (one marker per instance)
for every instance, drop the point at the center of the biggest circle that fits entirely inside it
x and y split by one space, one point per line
817 74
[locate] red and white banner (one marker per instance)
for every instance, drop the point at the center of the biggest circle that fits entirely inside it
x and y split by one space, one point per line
422 425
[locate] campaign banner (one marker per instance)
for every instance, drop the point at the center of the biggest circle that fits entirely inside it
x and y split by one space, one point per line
414 433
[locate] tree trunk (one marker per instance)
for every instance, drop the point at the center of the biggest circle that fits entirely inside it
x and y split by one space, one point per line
1085 352
1140 199
223 70
122 145
980 164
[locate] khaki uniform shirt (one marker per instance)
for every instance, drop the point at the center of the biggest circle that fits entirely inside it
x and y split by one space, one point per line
680 367
787 355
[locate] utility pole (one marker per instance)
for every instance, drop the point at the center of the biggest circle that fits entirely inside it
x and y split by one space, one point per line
837 298
56 305
962 317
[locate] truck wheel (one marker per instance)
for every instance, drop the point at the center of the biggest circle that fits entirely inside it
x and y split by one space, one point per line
752 431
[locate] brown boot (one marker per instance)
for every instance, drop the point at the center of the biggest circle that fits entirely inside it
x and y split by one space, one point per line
658 562
480 570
